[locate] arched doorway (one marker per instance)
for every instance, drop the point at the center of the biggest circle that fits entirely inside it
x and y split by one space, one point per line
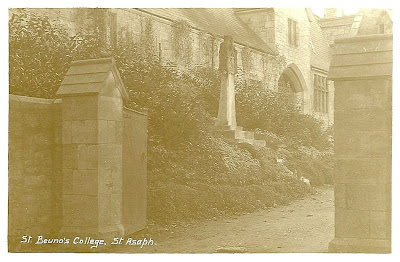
292 80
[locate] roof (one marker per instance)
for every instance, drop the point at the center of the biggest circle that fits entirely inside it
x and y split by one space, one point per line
371 17
90 76
320 50
362 57
218 21
390 14
336 21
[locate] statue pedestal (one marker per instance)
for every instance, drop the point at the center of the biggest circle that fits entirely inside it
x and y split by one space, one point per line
226 112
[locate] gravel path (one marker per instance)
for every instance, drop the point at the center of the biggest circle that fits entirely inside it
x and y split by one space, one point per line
306 225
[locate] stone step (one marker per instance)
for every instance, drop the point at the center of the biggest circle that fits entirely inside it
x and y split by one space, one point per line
244 140
248 134
253 142
226 128
259 143
233 134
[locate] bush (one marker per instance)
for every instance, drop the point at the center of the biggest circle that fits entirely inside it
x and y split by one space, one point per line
275 112
39 54
177 115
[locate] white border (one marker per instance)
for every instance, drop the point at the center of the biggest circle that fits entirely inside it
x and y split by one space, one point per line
395 4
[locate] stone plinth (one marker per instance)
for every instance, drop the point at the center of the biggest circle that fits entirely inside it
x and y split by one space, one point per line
362 69
92 105
226 111
239 136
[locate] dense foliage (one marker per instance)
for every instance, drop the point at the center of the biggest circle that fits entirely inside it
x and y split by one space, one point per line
39 56
40 51
268 110
192 172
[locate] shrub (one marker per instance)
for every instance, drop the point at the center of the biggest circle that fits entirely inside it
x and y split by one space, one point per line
176 107
39 54
268 110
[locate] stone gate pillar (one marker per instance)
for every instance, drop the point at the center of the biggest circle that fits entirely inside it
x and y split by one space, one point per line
92 103
362 71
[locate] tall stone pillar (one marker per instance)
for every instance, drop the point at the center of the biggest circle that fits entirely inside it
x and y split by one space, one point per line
92 103
228 68
362 70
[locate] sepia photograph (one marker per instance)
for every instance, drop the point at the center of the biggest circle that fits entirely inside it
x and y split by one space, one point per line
200 130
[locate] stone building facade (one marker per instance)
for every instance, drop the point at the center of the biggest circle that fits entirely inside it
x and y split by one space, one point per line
279 47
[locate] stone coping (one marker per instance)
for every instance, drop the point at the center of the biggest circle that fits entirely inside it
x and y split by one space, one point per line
30 99
364 38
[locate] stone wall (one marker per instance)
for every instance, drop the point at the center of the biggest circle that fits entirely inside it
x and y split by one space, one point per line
262 21
202 49
66 171
34 165
372 19
134 159
300 55
272 26
337 27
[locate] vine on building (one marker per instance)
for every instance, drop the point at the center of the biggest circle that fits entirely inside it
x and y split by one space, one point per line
182 42
273 66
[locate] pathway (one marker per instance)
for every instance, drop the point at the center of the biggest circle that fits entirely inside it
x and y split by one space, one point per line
306 225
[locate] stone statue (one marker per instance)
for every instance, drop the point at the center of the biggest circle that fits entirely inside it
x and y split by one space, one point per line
227 56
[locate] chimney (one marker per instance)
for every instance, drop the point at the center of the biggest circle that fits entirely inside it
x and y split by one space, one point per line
330 12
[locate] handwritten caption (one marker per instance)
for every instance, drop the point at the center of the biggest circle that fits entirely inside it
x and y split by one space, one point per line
87 241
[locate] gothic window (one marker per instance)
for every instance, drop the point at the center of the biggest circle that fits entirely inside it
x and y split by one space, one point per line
293 32
321 94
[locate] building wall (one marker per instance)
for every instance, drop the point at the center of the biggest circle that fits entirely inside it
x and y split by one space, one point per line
299 55
262 21
272 26
202 48
371 19
35 181
334 28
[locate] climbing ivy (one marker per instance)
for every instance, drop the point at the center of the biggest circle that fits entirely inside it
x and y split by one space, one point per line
182 42
147 39
246 56
273 66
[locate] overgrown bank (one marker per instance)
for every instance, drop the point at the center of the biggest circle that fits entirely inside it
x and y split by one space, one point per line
191 172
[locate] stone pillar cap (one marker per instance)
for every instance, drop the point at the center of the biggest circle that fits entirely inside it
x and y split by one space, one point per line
362 57
90 76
